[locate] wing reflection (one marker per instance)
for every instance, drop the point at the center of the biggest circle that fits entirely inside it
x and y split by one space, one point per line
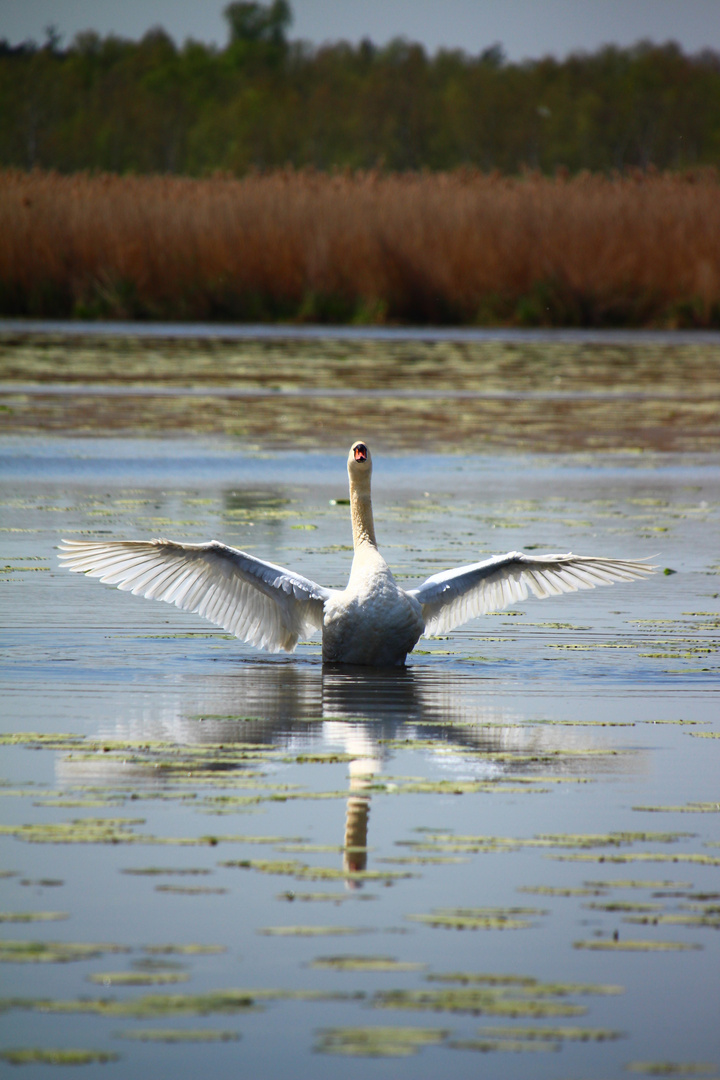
367 714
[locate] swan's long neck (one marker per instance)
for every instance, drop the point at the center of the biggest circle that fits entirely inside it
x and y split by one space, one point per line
363 526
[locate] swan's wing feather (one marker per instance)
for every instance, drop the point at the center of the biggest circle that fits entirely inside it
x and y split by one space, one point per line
267 605
452 597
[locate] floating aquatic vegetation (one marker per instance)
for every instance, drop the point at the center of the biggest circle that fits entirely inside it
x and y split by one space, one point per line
488 1046
623 905
316 873
78 831
313 931
510 918
476 1000
36 1056
679 723
184 950
266 866
106 831
447 843
313 849
70 803
631 883
156 871
191 890
147 1006
377 1041
180 1035
33 916
365 963
552 890
612 945
329 873
330 897
525 984
672 1068
676 920
138 978
554 1034
642 856
54 952
422 860
51 741
687 808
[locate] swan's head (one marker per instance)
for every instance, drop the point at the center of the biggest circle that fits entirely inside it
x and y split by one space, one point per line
359 460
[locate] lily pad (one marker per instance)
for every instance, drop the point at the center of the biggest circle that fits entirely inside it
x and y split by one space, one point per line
33 916
35 1056
180 1035
313 931
364 963
611 945
377 1041
54 952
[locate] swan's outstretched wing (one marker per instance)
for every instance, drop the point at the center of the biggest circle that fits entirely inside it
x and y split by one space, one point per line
454 596
258 602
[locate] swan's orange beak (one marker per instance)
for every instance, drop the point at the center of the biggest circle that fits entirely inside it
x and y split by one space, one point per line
360 452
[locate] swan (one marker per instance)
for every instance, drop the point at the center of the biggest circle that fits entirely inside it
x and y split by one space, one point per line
372 622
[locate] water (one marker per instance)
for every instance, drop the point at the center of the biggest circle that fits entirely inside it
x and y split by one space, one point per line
504 769
266 331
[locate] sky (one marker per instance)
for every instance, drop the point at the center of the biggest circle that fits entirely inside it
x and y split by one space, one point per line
525 28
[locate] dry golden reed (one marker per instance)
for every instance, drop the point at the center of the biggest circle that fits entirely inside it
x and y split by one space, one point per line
460 247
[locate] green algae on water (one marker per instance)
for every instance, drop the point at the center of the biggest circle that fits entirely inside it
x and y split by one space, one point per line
377 1041
190 890
672 1068
553 890
688 808
511 918
632 883
313 931
612 945
554 1034
476 1000
322 897
184 950
488 1046
54 952
180 1035
33 916
525 984
147 1006
710 920
364 963
36 1056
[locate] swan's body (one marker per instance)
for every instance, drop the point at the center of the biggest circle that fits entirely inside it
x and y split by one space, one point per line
372 622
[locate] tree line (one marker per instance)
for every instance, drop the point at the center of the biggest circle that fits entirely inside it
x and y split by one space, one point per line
264 101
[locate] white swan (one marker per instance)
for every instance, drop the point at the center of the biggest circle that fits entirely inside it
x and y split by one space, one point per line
372 622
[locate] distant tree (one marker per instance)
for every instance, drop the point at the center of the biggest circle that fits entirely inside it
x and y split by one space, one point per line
265 23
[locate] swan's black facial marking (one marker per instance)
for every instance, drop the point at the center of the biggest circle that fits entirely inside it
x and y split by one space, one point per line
360 452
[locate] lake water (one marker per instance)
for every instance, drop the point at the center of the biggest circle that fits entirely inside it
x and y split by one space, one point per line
504 858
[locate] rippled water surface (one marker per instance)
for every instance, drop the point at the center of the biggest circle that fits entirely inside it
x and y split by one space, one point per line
504 859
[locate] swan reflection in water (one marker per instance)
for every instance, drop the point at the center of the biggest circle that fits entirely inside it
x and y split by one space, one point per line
299 707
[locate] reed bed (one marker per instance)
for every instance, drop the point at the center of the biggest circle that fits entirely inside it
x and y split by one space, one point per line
461 247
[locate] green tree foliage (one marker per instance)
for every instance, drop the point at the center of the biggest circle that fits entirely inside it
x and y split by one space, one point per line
265 101
253 22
